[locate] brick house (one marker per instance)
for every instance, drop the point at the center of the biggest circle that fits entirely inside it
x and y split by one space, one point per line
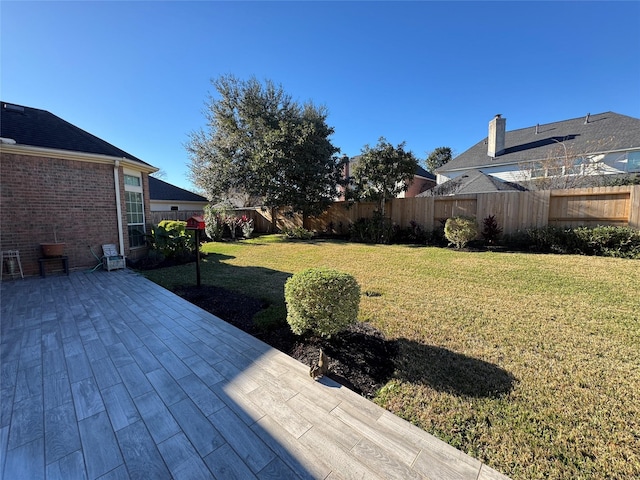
60 183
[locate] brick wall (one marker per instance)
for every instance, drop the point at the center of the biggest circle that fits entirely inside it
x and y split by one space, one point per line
76 198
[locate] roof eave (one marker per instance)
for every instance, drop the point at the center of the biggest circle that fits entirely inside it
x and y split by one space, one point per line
77 156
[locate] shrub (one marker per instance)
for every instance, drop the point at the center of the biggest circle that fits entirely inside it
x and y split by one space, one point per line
490 230
605 241
552 239
322 301
297 233
460 230
247 226
373 230
608 241
171 239
222 220
214 222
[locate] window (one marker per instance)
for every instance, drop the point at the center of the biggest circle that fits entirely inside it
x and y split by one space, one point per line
174 208
633 162
132 181
134 203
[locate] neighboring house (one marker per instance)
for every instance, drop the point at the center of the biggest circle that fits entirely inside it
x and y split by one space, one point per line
421 181
59 182
165 197
472 182
591 147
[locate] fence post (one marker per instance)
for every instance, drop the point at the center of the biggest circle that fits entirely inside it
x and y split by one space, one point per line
634 207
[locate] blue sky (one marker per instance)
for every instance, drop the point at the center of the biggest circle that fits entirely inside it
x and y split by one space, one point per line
137 74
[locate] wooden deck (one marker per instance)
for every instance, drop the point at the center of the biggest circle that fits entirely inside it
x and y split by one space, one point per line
107 375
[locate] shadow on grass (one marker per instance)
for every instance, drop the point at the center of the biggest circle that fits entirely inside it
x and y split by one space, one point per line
366 360
451 372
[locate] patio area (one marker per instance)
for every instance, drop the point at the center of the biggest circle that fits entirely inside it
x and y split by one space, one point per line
108 375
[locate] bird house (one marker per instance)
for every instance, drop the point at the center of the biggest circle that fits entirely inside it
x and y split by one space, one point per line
195 223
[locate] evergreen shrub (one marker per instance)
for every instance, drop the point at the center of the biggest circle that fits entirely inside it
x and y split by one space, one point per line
322 301
460 230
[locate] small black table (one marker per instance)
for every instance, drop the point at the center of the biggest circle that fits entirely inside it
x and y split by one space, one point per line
65 263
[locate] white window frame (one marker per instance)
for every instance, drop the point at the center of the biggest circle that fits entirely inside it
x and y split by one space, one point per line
134 189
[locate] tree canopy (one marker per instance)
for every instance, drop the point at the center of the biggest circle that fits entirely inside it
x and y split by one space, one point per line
382 172
261 142
438 158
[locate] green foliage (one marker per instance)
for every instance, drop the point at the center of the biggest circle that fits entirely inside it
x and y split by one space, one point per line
297 233
606 241
214 222
460 230
171 239
322 301
382 172
376 229
261 142
247 227
223 220
271 318
438 158
550 239
624 180
490 230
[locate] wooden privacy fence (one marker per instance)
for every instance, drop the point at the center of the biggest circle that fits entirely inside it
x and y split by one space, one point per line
619 206
156 217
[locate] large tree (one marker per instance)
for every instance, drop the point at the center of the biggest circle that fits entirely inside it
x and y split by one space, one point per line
259 141
438 158
383 171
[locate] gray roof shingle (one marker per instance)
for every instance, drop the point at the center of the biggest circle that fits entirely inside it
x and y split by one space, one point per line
604 132
39 128
161 190
472 182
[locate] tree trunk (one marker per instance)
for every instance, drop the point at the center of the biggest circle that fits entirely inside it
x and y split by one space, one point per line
274 220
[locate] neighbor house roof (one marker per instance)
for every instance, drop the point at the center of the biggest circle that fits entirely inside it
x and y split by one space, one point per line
420 172
603 132
472 182
161 190
38 128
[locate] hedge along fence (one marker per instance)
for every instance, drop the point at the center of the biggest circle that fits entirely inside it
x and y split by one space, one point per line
617 206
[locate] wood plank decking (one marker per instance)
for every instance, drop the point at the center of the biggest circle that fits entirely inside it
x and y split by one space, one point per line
107 375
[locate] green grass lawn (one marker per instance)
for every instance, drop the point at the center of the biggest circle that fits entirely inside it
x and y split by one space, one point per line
530 363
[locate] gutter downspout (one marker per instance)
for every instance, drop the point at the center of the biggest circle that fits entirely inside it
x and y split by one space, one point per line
116 179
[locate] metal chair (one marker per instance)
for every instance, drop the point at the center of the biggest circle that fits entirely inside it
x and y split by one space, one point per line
112 260
12 258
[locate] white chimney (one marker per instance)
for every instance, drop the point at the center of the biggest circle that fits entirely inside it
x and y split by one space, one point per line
497 127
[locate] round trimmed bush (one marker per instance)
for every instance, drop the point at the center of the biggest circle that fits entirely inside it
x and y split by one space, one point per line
322 301
460 230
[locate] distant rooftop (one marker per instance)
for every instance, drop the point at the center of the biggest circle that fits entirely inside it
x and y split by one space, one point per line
161 190
603 132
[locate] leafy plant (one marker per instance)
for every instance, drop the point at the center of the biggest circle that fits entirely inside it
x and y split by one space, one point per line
214 222
171 239
490 230
377 229
607 241
297 233
247 226
460 230
322 301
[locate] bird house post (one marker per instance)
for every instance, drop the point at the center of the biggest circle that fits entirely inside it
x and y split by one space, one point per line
197 224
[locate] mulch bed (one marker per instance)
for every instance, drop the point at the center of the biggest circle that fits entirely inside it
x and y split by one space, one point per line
360 358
